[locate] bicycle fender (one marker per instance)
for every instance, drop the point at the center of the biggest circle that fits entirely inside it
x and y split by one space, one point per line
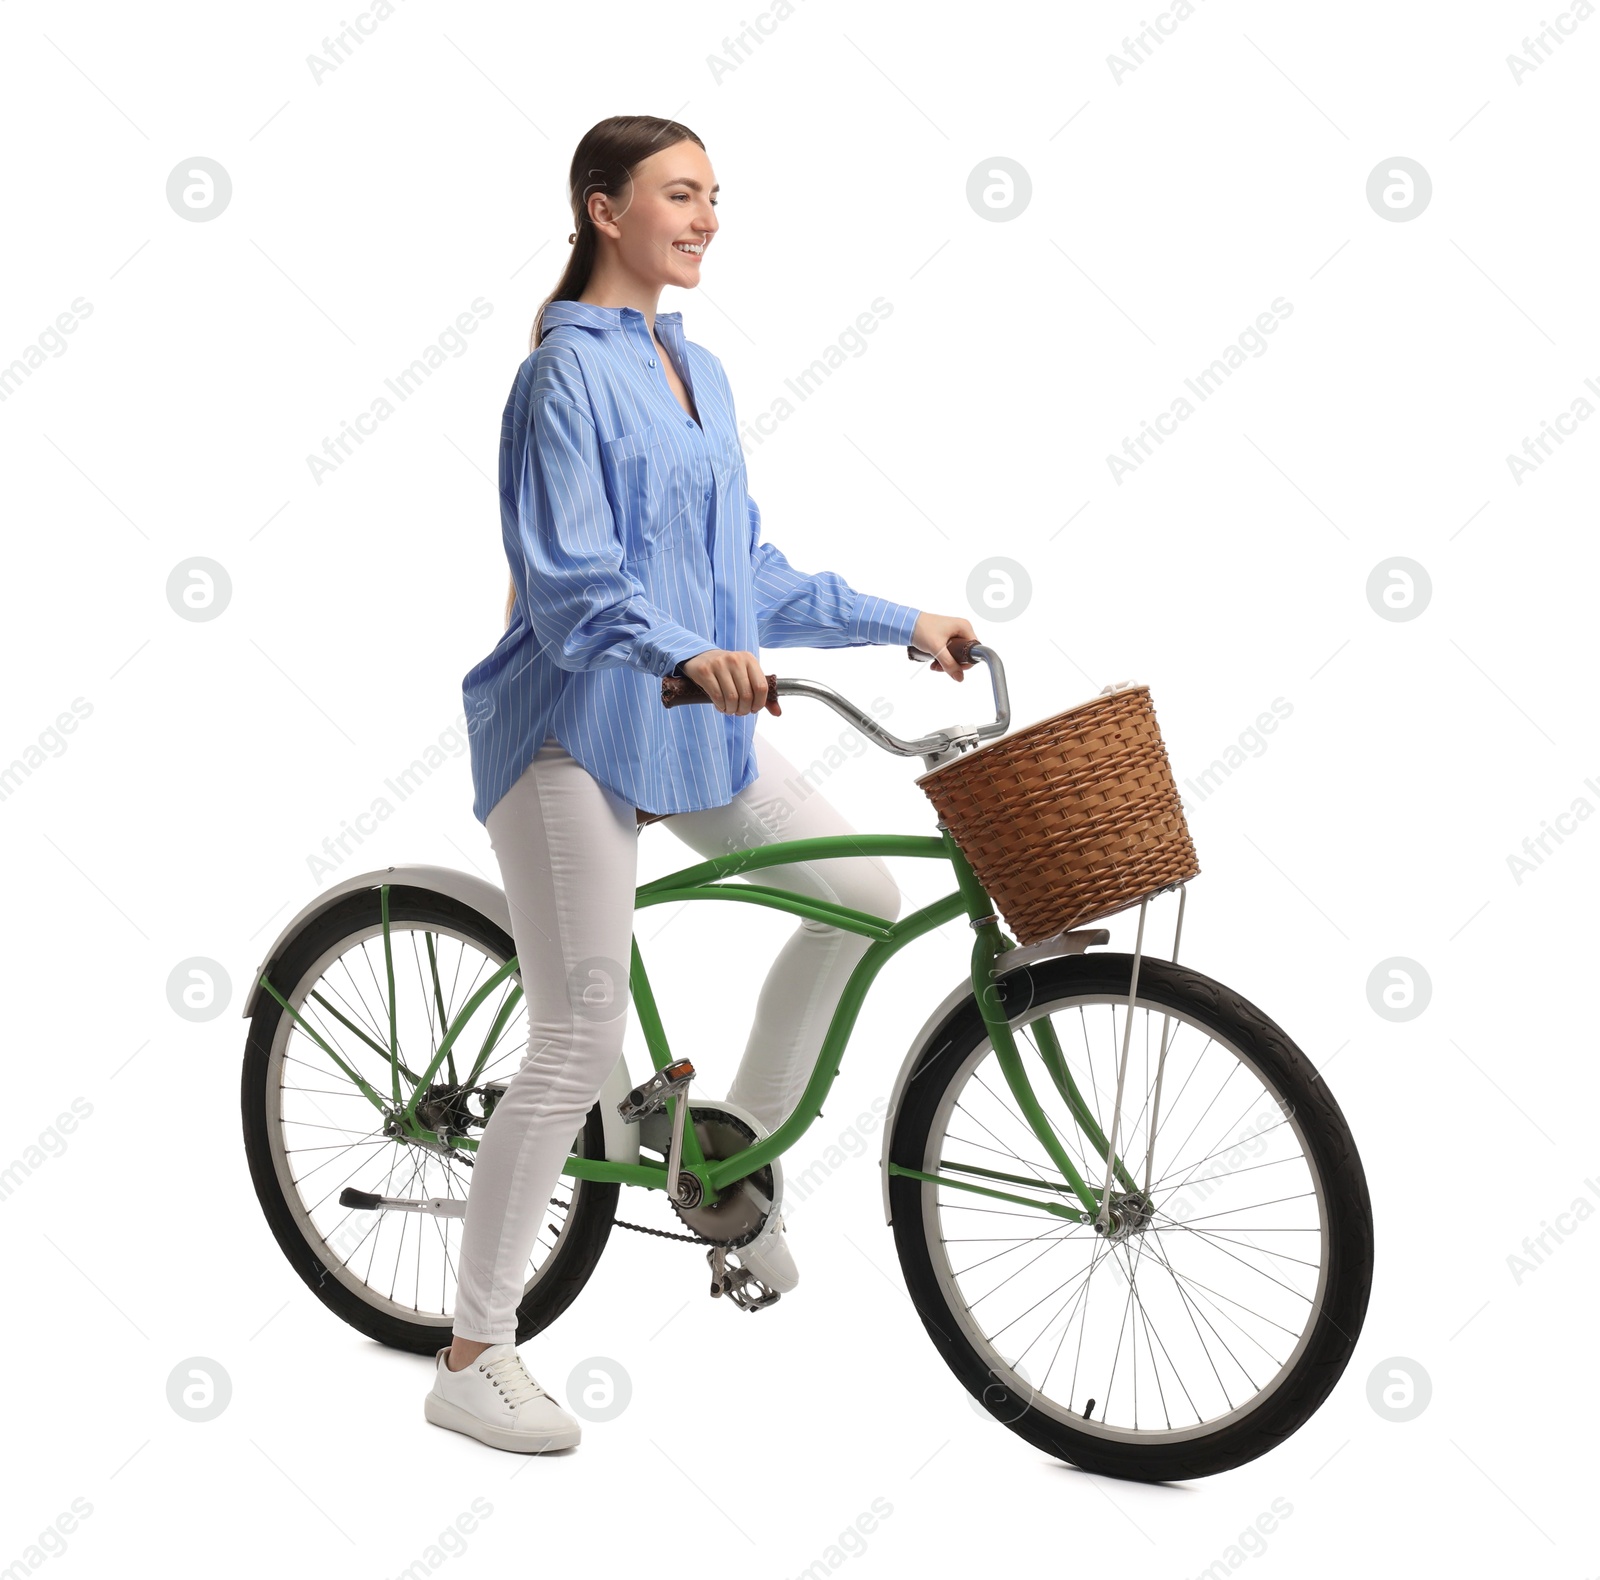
466 887
948 1007
622 1140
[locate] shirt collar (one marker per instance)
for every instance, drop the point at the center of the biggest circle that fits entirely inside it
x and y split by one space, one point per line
589 316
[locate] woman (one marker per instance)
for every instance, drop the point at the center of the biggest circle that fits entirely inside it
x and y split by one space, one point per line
634 553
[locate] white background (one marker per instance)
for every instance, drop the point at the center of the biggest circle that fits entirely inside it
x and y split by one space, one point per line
1232 568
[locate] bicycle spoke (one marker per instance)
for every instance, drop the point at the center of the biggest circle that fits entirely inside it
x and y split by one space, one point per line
1244 1168
1233 1071
432 997
1206 1294
1017 1246
1195 1283
1018 1272
1152 1331
1227 1146
1056 1187
1083 1326
1189 1223
361 1163
1039 1302
1189 1303
1209 1235
1021 1121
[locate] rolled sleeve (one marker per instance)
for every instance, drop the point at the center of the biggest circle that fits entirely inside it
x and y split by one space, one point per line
587 611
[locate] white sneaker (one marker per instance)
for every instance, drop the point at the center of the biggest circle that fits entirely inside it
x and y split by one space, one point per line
769 1259
496 1400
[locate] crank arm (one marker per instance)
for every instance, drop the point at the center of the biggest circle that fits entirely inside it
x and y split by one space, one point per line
651 1095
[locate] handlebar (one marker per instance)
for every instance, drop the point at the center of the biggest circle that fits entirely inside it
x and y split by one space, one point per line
679 689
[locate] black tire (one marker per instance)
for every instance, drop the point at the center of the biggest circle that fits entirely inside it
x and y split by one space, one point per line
564 1271
1325 1141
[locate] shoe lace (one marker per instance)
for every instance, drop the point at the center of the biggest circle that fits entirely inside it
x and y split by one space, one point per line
511 1377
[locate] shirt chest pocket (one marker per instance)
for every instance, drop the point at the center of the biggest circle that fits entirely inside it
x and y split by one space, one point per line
649 492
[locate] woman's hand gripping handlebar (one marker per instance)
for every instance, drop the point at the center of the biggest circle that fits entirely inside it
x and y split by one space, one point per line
739 682
733 682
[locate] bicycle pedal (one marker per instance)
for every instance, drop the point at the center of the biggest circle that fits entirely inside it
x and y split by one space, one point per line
651 1095
736 1283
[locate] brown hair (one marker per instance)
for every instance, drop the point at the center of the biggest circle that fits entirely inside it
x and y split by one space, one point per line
604 161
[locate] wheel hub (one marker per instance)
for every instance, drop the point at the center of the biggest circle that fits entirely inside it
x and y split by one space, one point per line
443 1109
1131 1213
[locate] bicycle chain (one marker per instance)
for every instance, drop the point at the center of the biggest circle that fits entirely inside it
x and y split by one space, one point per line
665 1234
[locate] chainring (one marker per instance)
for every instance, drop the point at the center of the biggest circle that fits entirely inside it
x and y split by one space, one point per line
742 1210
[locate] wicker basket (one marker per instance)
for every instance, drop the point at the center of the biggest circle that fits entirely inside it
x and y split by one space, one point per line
1071 819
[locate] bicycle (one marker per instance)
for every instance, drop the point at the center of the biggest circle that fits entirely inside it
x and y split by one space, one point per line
1206 1347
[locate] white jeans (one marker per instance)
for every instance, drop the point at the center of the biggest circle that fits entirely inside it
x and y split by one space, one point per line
568 853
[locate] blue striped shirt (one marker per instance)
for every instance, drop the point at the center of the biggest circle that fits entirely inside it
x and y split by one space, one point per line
633 544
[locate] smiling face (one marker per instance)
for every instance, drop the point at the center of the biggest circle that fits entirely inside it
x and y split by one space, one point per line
668 211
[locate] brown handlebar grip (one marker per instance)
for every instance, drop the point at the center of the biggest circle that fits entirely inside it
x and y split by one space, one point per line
960 650
676 689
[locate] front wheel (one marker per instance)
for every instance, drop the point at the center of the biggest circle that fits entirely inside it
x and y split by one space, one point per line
1217 1309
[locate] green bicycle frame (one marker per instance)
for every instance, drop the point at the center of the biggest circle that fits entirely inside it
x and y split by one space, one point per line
704 881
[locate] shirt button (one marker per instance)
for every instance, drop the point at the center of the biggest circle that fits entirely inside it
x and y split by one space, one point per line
688 422
652 362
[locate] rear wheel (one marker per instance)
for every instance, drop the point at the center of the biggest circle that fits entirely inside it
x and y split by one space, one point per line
1223 1305
310 1132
